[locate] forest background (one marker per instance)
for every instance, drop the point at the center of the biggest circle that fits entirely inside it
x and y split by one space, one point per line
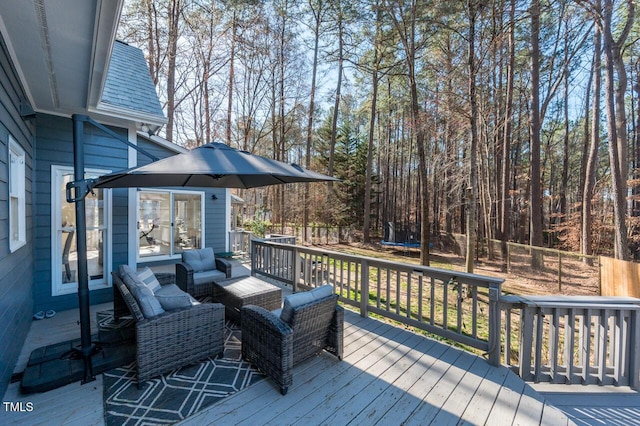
498 119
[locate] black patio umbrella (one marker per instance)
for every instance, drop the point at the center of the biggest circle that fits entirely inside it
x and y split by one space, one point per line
211 165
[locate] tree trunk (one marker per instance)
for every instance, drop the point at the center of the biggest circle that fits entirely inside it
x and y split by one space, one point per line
152 21
592 158
307 187
372 121
534 131
616 124
336 105
232 56
174 18
472 189
565 158
505 209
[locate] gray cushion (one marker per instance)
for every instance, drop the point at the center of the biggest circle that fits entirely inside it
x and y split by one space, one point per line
130 277
207 277
296 300
172 297
148 303
200 260
149 279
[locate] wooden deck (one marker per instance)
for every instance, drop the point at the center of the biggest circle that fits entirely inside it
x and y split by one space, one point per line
389 375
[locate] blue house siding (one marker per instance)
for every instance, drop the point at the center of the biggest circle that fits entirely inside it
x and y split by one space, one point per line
55 148
16 269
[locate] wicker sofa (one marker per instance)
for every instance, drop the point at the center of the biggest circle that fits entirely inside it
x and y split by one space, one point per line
276 341
174 338
198 271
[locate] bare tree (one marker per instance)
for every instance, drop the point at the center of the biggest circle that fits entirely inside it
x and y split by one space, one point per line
318 11
405 21
534 131
505 208
592 156
473 10
377 55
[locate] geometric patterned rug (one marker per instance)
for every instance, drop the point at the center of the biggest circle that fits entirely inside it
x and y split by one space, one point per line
173 397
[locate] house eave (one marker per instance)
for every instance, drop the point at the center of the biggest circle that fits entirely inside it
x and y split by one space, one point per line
61 52
152 121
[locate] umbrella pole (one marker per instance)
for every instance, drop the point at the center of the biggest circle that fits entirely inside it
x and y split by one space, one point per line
86 348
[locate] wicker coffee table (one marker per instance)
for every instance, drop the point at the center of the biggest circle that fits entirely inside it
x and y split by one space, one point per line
234 293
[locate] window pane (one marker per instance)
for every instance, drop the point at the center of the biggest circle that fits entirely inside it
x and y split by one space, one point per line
94 254
154 224
188 219
94 208
14 214
69 256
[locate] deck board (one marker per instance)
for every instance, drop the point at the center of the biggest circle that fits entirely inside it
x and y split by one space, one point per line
388 374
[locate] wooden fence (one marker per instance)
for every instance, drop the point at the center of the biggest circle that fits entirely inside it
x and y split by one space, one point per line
518 259
619 278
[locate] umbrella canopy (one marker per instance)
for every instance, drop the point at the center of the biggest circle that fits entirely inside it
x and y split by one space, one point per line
211 165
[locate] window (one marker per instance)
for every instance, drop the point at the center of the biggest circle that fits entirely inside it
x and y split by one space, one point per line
17 214
169 222
64 251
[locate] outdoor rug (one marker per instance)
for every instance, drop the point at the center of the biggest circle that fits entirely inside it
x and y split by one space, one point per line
179 394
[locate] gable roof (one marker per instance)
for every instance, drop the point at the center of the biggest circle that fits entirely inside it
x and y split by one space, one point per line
128 85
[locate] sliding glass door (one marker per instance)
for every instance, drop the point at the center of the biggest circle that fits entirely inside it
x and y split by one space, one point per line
169 222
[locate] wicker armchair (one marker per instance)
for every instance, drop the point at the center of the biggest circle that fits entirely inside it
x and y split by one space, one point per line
198 271
275 346
172 339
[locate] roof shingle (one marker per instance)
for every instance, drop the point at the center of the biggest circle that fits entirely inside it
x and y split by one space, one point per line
129 83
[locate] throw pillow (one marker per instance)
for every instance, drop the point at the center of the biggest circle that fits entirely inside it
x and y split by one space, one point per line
172 297
130 277
298 299
200 259
149 279
149 305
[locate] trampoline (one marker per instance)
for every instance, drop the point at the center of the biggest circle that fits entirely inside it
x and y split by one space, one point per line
401 235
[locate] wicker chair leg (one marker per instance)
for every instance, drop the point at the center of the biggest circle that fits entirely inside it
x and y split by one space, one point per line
284 389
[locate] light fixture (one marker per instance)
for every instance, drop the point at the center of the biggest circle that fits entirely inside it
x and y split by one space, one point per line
214 197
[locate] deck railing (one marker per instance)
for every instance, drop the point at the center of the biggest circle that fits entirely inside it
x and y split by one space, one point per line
587 340
559 339
240 241
458 306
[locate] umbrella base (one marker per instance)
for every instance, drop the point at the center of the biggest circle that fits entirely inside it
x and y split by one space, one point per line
60 364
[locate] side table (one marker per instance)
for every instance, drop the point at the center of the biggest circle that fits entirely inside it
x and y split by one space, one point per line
235 293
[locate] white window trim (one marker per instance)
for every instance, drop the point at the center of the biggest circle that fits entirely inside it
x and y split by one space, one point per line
171 192
17 157
59 288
